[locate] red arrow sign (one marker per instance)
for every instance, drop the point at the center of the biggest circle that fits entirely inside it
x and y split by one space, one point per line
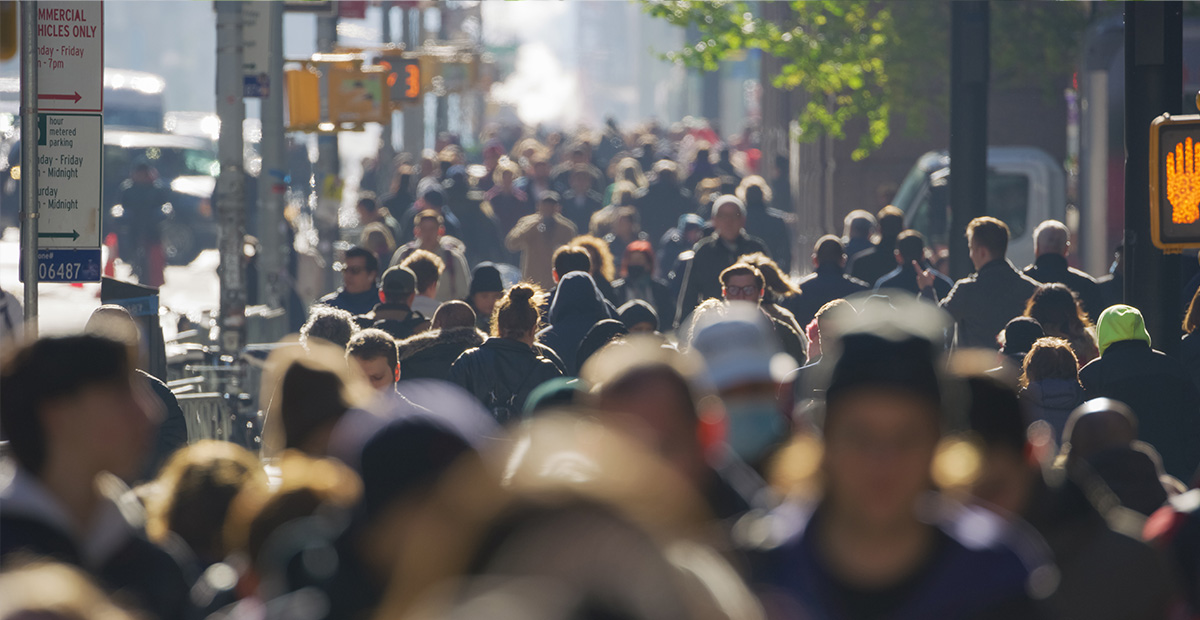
74 97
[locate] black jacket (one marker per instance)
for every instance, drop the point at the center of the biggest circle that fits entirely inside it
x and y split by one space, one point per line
984 302
577 307
824 285
501 373
1050 268
1189 356
702 279
772 227
354 303
873 263
660 205
904 278
172 433
396 319
430 354
660 298
1162 396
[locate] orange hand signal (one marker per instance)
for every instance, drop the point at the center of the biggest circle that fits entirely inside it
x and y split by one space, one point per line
1183 182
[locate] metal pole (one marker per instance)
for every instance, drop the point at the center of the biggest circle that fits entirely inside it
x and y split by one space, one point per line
29 164
328 167
272 187
384 169
231 217
969 68
414 112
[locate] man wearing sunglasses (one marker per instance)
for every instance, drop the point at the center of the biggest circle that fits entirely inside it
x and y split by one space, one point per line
358 293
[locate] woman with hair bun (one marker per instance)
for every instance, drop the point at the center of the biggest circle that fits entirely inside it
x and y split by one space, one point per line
503 370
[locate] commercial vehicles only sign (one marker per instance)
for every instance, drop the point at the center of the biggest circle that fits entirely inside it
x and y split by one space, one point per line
70 56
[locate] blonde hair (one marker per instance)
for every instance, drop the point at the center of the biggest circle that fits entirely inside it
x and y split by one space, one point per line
598 249
754 181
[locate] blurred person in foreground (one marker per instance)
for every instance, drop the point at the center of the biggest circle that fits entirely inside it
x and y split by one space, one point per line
430 354
78 419
51 591
1152 383
878 540
829 280
502 371
983 302
358 293
713 254
1102 569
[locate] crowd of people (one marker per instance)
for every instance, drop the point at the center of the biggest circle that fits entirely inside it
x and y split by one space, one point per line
579 380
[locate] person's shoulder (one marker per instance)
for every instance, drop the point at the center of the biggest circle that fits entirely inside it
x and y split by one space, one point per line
860 284
1081 276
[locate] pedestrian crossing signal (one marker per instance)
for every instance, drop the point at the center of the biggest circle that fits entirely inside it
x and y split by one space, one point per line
1175 182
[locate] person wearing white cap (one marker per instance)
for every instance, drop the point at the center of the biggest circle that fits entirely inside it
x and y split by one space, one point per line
716 252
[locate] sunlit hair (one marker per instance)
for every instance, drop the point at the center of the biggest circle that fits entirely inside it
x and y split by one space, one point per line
1057 308
52 591
777 283
623 194
194 491
505 165
516 315
754 181
1049 358
741 269
602 258
630 171
1191 320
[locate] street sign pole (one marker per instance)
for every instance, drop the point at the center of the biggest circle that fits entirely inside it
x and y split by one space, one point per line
231 202
272 187
29 165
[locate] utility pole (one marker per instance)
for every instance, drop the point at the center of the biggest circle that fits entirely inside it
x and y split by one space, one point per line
1153 85
414 113
969 69
328 168
231 216
29 154
384 168
272 186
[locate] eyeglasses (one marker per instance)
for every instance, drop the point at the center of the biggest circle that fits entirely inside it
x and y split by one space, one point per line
742 291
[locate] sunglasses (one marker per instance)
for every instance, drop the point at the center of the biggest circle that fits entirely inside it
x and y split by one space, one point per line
742 291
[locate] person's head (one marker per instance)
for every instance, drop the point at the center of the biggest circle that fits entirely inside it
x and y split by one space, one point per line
729 217
987 240
829 252
570 258
630 171
742 282
1098 425
398 286
1007 469
627 224
486 289
639 316
1051 237
507 172
332 325
540 166
826 318
195 489
427 267
666 172
1191 319
428 227
858 224
453 315
492 152
367 207
1119 323
623 194
548 204
114 322
517 315
1050 358
691 227
638 260
1057 309
754 190
882 427
1018 337
910 246
600 255
777 283
581 179
75 405
375 352
359 270
433 196
143 173
891 223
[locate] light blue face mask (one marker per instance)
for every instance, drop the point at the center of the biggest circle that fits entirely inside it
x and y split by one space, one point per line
753 427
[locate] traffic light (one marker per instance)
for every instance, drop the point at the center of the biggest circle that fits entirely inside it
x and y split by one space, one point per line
303 98
405 77
8 28
358 96
1175 182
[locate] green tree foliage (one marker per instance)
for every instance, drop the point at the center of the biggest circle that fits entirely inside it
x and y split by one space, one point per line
875 61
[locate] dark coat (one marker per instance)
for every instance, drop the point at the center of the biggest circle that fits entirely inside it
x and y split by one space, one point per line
661 299
577 307
904 278
1162 396
508 208
773 228
501 373
354 303
824 285
1050 268
873 263
396 319
172 432
581 214
1189 356
429 355
660 204
1052 400
702 279
984 302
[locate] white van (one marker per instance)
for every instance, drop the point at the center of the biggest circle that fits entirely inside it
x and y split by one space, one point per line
1025 187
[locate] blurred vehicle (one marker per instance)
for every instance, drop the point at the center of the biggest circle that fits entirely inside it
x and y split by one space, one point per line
187 165
1025 186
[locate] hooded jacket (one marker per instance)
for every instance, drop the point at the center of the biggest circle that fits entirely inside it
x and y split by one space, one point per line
577 307
429 355
1052 400
1154 385
501 373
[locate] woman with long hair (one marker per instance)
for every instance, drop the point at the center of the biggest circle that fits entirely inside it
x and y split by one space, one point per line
1058 310
1050 388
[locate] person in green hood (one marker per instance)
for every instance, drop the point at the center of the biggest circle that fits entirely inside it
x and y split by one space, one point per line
1153 384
